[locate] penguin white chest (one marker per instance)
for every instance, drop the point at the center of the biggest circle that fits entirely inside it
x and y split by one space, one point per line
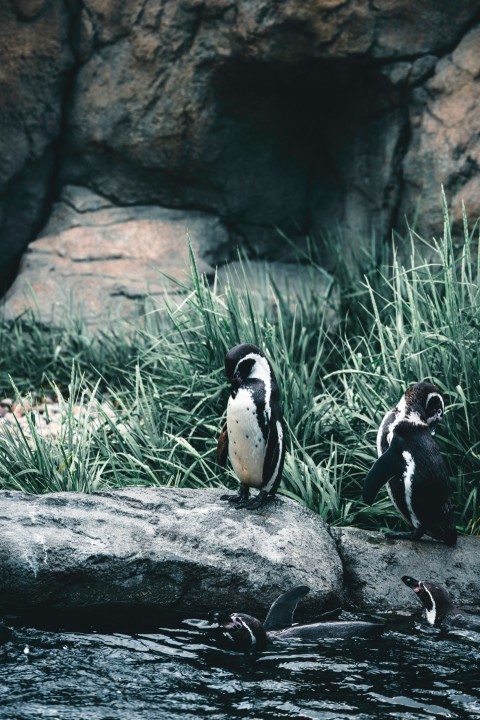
246 445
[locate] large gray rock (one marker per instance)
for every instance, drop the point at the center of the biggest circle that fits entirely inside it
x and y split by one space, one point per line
102 262
182 550
186 551
444 147
373 567
290 115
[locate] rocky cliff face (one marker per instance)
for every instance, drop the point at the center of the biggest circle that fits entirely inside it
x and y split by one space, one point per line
295 115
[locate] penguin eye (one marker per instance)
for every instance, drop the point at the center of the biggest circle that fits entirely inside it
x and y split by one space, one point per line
434 408
233 625
244 368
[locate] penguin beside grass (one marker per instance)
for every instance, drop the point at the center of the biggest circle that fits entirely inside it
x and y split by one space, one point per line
411 465
253 437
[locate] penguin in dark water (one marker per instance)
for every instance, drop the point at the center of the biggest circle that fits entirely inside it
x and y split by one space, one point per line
254 435
412 466
244 632
439 607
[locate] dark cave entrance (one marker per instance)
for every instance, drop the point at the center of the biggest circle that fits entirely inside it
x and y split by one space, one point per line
312 149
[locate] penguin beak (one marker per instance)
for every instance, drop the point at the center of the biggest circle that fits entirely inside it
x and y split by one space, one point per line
415 585
236 379
230 630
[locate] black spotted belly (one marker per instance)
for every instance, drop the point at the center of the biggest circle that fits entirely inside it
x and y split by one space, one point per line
246 444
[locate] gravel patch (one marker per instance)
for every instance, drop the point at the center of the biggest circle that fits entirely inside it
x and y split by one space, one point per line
47 415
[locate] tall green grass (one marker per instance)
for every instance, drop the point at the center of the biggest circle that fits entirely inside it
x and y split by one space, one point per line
417 317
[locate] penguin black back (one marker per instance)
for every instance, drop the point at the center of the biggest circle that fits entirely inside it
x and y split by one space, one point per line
412 465
244 632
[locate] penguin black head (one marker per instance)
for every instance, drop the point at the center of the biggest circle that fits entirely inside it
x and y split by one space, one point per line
240 360
425 399
435 599
244 632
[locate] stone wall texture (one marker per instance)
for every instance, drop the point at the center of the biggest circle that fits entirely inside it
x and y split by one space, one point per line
303 115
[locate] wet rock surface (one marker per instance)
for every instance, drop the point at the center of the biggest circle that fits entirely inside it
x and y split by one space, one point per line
175 549
186 551
374 565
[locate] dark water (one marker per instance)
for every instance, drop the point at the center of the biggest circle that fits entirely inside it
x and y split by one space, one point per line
410 672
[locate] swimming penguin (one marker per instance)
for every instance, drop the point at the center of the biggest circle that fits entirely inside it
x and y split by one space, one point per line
254 435
411 463
244 632
440 610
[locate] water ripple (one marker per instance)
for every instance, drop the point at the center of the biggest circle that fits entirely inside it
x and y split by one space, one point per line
179 673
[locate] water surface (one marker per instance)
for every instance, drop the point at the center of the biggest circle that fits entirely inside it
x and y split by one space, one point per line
178 672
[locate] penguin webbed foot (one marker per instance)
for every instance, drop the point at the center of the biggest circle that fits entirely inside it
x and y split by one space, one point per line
241 497
259 501
415 534
233 499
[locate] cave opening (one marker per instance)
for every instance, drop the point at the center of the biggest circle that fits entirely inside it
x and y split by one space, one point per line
311 149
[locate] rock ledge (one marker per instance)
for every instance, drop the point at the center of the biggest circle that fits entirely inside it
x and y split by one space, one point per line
185 550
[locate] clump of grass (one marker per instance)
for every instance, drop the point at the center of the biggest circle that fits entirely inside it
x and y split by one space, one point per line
412 319
420 321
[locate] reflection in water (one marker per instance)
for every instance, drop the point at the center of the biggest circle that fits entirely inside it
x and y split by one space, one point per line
179 673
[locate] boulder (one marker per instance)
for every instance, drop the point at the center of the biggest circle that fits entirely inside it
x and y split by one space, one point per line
291 115
373 567
171 549
101 262
186 551
35 65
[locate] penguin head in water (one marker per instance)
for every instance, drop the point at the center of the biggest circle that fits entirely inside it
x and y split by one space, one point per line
244 632
426 400
434 598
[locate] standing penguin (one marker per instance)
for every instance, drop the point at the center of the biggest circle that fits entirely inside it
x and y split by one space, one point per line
254 435
411 463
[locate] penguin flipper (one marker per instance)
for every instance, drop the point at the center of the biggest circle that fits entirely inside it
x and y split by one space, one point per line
222 446
383 469
280 615
274 458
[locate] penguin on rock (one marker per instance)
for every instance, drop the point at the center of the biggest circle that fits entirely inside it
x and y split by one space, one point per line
440 610
253 437
412 466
